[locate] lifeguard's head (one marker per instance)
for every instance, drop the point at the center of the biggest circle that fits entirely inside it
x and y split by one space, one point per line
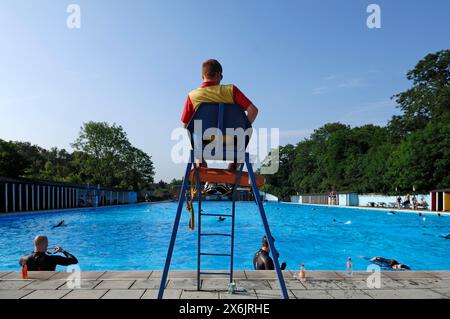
212 71
40 244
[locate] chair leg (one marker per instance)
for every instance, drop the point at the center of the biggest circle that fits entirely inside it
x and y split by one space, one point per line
199 226
266 227
233 212
174 231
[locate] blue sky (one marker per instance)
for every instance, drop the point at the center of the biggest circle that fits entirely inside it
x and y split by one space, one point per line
303 63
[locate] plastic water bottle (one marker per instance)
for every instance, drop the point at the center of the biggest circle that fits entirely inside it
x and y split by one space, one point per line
302 274
349 267
24 271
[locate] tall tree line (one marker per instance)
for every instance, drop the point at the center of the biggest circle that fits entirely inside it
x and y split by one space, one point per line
411 152
102 154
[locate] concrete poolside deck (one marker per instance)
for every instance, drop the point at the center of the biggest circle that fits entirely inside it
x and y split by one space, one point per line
250 285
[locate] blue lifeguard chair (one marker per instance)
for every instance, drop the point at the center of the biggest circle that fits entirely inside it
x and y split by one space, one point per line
219 118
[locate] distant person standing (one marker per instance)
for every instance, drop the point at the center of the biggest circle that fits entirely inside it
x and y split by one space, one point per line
399 201
40 260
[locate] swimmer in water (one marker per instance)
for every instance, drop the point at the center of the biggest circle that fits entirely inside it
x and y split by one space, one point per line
221 219
41 260
262 260
61 223
392 213
343 223
446 236
389 263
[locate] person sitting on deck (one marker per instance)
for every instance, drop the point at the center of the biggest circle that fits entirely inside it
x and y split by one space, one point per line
388 263
262 260
211 91
422 204
39 260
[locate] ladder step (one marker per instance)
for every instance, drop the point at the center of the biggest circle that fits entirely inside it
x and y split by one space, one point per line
217 215
215 234
215 273
214 254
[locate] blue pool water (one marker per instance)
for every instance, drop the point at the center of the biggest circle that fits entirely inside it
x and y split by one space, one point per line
136 237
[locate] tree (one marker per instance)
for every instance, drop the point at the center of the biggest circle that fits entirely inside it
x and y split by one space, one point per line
12 163
422 160
429 97
109 159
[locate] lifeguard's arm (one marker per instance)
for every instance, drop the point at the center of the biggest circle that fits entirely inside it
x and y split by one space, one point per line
252 113
247 105
188 112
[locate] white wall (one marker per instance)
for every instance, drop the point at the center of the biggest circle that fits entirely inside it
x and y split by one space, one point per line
365 199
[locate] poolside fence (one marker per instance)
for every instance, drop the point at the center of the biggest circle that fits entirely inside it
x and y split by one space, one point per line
21 195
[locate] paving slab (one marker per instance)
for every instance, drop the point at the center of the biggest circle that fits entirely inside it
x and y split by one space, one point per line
404 294
168 294
250 294
45 284
117 275
41 275
190 274
124 294
253 284
272 294
410 274
426 283
4 273
14 284
85 275
86 294
179 283
322 275
115 284
385 283
266 274
146 284
84 285
320 284
193 294
215 284
441 274
311 294
13 293
443 291
46 294
348 294
290 284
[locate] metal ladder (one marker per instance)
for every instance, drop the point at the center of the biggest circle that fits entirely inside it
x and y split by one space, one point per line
200 234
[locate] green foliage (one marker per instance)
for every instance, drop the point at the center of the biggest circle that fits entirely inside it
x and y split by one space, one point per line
412 151
12 163
102 155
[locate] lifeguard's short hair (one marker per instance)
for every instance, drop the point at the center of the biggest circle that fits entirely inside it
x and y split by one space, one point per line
211 67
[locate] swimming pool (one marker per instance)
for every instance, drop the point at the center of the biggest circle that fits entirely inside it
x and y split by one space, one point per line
136 237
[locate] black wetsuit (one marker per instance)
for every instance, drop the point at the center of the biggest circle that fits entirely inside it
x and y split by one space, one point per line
44 262
262 261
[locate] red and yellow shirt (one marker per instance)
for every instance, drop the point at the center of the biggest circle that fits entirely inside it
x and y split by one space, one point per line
211 92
